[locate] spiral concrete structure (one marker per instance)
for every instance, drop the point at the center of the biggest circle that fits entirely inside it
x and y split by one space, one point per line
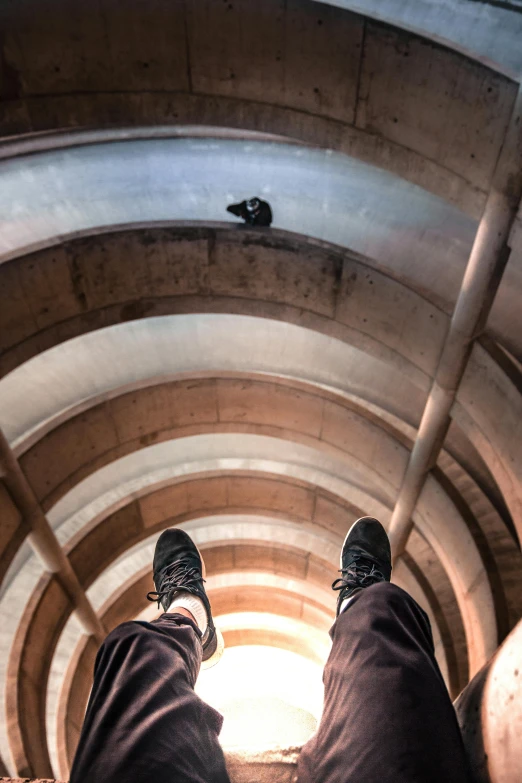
262 388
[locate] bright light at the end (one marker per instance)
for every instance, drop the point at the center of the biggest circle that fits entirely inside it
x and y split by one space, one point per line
269 697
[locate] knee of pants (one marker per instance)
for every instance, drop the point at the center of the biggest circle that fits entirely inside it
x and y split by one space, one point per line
383 595
390 599
124 631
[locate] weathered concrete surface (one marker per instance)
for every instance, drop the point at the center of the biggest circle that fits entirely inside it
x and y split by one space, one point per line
212 352
332 427
271 766
276 765
382 92
324 194
490 715
29 780
489 408
86 283
490 29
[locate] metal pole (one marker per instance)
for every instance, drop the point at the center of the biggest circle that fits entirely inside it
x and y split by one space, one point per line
483 273
44 541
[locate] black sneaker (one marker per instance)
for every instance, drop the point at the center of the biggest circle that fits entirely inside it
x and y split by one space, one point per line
177 566
365 558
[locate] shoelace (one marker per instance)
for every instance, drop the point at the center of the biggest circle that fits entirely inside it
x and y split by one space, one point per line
178 576
360 573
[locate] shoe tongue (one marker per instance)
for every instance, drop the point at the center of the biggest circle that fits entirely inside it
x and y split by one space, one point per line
174 545
358 551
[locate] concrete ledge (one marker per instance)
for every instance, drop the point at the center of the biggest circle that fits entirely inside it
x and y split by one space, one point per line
277 765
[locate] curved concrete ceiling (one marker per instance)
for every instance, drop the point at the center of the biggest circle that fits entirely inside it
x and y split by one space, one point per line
103 364
370 90
491 30
259 387
161 464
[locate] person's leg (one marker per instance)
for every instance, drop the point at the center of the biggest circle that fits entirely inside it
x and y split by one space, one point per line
387 714
144 721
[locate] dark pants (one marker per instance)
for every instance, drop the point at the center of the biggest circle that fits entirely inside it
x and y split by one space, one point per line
387 714
144 722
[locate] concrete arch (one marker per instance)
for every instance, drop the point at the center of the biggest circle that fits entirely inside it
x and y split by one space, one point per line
287 500
150 78
489 410
126 424
100 280
214 406
89 370
225 452
122 183
187 408
319 362
267 637
463 25
218 536
115 428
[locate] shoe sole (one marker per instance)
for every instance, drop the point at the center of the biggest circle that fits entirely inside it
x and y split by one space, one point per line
218 652
203 567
